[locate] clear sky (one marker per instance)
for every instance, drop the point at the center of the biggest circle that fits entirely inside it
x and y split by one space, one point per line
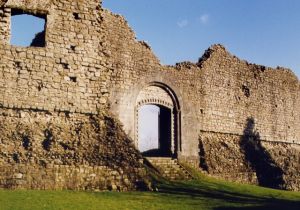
148 128
265 32
24 28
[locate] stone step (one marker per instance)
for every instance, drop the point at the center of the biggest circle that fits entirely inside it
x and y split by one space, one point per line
169 168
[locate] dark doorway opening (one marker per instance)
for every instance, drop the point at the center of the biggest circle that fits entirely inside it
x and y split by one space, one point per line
155 131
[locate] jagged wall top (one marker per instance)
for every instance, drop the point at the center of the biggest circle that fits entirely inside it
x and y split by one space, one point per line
95 61
46 5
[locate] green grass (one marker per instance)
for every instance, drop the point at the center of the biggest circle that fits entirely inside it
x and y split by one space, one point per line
202 193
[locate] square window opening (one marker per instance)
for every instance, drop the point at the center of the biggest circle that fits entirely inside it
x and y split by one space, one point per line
73 79
28 29
76 16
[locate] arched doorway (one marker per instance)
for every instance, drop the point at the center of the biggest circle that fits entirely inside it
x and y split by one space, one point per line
157 121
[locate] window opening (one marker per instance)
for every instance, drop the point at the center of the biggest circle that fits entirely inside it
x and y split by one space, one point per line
73 79
27 29
76 16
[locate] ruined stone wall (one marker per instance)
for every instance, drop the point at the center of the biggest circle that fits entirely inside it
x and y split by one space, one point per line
243 90
53 135
248 159
4 24
92 62
67 74
218 95
57 150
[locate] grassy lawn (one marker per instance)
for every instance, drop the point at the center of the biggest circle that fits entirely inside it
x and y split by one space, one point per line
202 193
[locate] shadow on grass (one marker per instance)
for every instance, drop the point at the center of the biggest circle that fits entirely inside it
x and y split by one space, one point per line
232 200
263 207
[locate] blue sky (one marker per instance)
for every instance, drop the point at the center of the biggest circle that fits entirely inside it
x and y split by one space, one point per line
148 127
24 28
265 32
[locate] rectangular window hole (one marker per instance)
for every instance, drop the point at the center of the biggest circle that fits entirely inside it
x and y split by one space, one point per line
73 79
28 29
73 48
76 16
65 65
17 64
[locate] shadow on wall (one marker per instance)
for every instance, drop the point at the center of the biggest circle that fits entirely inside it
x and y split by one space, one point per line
202 164
268 173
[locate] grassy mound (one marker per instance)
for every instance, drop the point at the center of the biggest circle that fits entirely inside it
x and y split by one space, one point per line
201 193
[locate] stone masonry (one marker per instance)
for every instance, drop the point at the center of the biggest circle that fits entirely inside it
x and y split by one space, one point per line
64 106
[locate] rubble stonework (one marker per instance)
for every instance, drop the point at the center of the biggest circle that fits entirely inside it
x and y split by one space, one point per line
53 135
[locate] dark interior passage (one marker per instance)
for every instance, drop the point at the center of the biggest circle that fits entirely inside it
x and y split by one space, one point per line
165 131
155 130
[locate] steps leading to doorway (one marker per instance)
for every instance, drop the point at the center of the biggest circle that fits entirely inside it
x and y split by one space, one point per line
169 168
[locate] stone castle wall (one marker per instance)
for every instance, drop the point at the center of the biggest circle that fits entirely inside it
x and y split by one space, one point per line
59 76
50 100
92 62
248 159
217 94
61 150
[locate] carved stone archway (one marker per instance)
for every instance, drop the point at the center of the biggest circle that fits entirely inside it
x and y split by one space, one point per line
161 95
